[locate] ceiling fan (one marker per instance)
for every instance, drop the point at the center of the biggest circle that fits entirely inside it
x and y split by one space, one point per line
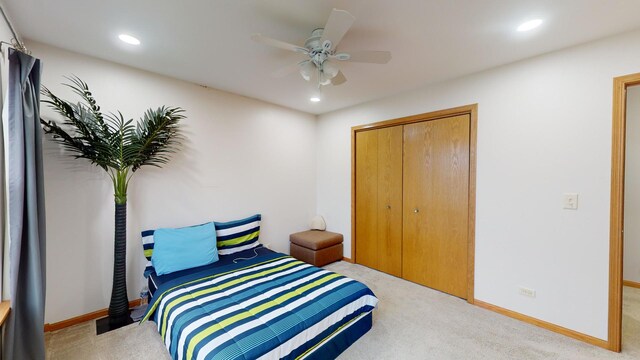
321 50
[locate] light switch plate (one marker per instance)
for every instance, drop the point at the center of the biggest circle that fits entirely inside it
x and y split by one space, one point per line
570 201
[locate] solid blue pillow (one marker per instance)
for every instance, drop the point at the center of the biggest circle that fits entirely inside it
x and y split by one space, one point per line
184 248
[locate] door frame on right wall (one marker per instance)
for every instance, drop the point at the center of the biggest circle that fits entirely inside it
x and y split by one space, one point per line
616 244
472 111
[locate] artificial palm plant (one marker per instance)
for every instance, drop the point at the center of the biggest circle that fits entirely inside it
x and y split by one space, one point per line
119 147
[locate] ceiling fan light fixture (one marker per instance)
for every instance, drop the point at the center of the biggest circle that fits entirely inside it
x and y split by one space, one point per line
329 69
324 79
306 70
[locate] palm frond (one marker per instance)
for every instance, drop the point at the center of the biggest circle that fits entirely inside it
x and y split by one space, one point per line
83 138
82 89
78 146
117 145
156 137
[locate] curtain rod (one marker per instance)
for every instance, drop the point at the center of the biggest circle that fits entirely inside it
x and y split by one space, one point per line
15 42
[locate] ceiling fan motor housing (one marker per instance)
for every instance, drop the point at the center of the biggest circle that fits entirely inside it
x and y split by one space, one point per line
318 52
313 42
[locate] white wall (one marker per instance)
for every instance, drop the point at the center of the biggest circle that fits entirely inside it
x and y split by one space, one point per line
544 128
242 157
632 188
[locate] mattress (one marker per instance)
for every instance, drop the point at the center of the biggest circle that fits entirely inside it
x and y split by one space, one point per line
271 306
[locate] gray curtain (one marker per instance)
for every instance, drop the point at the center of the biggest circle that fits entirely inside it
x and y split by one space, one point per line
24 337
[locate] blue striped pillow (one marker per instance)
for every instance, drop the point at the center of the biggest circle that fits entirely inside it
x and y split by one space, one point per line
147 248
238 235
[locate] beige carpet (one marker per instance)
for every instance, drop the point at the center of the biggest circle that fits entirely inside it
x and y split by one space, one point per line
412 322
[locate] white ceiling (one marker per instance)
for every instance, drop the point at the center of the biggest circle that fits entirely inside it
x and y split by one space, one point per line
208 42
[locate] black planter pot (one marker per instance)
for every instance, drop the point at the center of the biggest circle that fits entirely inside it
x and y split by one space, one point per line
119 305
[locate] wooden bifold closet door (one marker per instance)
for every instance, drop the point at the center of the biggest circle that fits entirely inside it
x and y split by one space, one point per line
379 199
412 202
436 204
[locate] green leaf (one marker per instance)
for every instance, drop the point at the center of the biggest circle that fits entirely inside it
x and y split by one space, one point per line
118 146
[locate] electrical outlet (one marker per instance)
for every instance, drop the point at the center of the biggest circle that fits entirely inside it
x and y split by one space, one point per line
527 292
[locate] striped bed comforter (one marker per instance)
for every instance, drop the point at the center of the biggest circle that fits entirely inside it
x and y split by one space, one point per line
270 307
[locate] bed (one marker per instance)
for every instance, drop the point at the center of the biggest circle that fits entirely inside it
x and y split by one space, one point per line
258 304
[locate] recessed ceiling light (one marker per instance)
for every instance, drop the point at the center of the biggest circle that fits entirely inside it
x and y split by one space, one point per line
129 39
529 25
314 99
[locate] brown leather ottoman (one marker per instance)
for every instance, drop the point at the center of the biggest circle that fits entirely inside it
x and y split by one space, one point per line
315 247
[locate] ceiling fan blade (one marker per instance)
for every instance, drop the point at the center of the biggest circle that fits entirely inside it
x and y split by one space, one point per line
338 79
371 57
339 23
287 70
277 43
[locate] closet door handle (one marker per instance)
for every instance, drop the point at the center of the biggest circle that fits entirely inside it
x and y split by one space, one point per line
416 210
388 206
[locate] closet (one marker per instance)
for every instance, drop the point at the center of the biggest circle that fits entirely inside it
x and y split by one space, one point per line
413 207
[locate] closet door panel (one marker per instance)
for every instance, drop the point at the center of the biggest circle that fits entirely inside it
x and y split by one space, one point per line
379 199
367 198
390 200
436 203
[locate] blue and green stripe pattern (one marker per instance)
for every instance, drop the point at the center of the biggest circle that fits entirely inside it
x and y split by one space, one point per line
270 307
239 235
147 248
